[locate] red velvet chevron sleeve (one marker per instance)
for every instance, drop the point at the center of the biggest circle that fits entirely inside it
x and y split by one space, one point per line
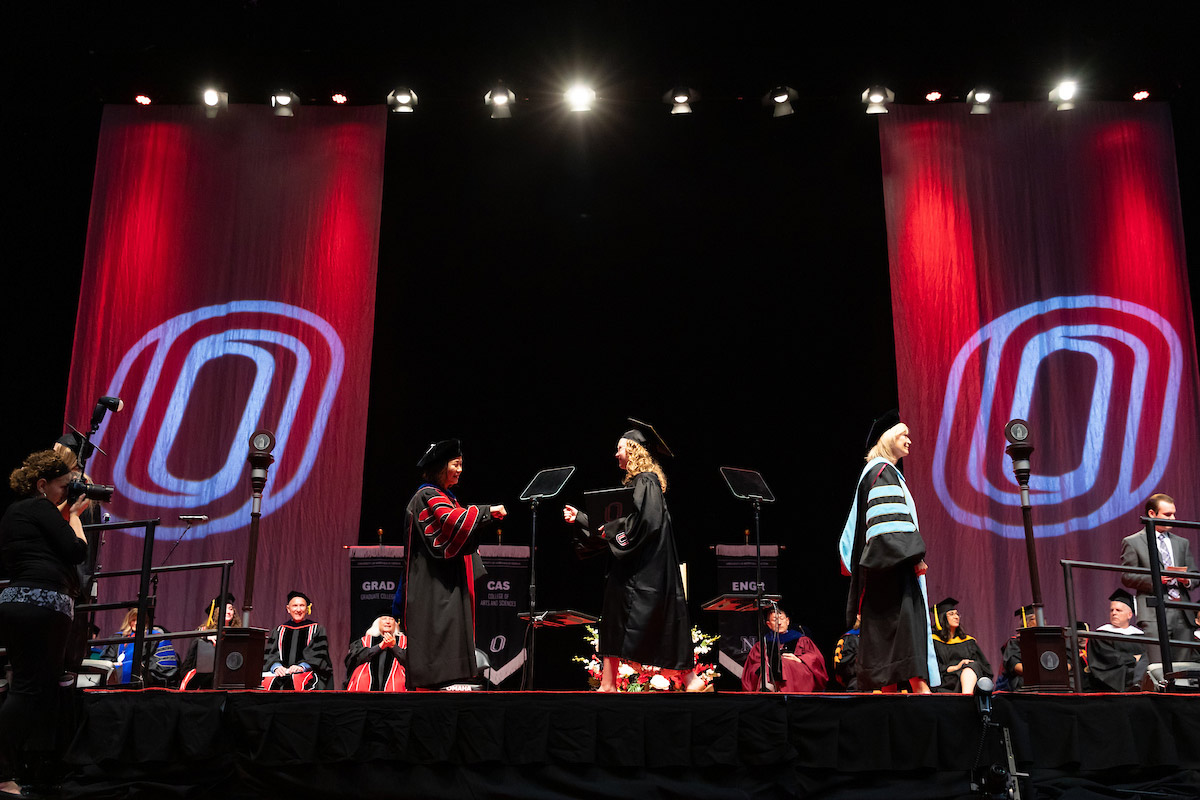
449 529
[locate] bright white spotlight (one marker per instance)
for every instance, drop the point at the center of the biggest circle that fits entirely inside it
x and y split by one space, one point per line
877 99
933 97
780 99
284 103
980 101
580 97
680 99
339 98
142 99
402 100
500 100
215 101
1142 95
1064 95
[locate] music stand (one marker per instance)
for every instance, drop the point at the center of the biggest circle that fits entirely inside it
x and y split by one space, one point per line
546 483
746 484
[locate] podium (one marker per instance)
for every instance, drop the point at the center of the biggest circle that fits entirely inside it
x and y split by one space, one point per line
241 663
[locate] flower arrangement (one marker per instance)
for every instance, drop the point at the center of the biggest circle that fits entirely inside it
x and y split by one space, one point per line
634 677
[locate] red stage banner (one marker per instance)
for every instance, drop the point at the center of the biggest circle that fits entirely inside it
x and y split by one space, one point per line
229 285
1038 271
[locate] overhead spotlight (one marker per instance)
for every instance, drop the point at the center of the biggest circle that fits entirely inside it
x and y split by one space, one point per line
284 103
215 102
980 101
500 100
680 99
780 99
580 97
933 97
877 99
402 100
339 98
142 99
1142 95
1064 95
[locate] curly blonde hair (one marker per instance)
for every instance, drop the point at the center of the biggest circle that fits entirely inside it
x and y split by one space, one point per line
639 461
46 464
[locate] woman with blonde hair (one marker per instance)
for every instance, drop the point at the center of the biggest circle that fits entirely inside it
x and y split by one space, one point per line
644 619
883 553
202 649
164 664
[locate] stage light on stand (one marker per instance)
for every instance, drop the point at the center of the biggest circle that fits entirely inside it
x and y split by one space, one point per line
215 102
500 100
1063 95
580 97
980 101
877 98
284 103
780 99
142 99
402 100
680 99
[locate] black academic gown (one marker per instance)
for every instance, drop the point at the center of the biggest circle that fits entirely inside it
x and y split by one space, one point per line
1010 657
443 565
894 643
295 643
1114 666
371 668
845 660
644 617
951 652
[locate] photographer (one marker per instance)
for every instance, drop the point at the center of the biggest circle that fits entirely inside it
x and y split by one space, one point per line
41 541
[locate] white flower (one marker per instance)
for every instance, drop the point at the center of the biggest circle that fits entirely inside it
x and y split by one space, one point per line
659 682
625 671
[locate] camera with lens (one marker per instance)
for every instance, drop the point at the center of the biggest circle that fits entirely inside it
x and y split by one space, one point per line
96 492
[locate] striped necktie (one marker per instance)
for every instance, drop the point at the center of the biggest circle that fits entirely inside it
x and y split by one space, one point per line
1164 555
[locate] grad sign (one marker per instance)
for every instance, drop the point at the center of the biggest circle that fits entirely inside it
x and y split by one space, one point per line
1037 270
229 285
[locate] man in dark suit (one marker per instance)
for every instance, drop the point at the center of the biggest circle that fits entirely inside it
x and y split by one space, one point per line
1175 552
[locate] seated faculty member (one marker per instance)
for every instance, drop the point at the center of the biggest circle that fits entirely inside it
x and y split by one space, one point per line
297 655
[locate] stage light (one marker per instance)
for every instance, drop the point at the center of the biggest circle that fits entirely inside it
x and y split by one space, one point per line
142 99
215 102
402 100
933 97
780 98
284 103
680 99
339 98
980 101
1064 95
1142 95
500 100
877 99
580 97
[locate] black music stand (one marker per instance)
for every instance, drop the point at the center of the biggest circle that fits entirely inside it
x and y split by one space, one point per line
746 484
546 483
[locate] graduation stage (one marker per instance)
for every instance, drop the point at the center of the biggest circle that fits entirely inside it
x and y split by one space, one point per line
252 744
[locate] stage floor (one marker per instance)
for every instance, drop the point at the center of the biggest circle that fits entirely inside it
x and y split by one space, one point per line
250 744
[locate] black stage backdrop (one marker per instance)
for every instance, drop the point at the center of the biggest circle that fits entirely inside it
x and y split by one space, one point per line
722 275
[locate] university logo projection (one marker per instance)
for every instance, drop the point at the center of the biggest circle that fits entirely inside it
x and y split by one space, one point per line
286 350
1127 345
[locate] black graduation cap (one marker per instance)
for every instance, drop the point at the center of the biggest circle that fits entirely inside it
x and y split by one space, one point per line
882 425
939 610
221 602
644 434
1027 615
74 441
440 453
292 595
1122 596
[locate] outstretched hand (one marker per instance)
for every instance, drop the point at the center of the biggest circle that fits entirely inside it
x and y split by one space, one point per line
570 513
